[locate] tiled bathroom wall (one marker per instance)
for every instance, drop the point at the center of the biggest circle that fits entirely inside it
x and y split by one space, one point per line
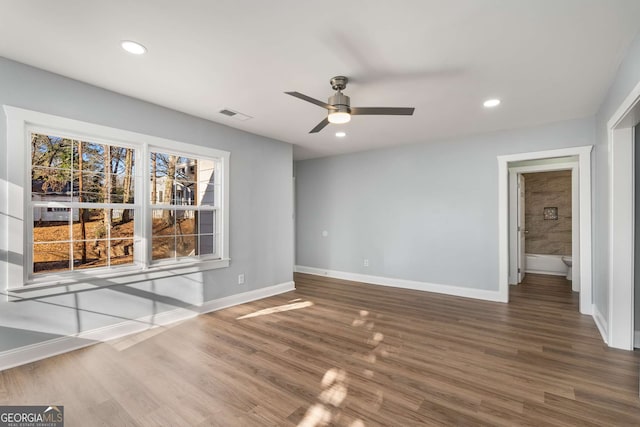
548 190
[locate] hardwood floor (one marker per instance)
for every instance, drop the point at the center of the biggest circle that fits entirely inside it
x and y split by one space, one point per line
348 354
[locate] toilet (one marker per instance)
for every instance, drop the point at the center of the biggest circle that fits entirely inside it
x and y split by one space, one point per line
568 261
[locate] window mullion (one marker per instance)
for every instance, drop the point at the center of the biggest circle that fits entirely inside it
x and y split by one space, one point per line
143 194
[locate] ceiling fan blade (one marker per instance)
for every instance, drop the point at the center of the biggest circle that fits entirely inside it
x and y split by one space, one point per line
382 111
320 126
311 100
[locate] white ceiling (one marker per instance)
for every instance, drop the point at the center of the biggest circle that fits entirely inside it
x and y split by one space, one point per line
548 60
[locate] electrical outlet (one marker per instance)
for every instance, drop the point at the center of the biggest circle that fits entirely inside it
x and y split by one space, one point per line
366 262
241 279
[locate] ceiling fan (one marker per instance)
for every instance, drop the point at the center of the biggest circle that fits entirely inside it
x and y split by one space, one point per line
339 109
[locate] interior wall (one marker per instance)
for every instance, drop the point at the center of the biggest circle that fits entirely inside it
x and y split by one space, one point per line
545 235
261 203
626 78
425 212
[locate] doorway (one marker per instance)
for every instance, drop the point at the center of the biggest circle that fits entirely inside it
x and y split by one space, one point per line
578 160
554 214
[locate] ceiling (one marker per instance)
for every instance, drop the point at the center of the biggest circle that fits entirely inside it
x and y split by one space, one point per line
547 60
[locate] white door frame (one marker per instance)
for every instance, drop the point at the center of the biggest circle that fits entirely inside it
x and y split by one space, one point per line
575 217
620 131
584 182
519 221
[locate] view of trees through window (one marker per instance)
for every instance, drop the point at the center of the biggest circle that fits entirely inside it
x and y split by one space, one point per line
82 196
84 205
183 198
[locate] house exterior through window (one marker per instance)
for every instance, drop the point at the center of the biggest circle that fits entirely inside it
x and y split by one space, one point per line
110 201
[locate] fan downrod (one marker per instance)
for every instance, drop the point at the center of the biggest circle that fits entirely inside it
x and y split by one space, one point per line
339 82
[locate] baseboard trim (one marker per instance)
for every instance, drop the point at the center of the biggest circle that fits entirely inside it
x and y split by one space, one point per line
34 352
601 323
547 272
406 284
246 297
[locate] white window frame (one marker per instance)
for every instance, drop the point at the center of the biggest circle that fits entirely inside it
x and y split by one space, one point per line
149 207
30 278
21 283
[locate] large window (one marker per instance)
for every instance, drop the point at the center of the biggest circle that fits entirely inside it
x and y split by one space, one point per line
82 200
107 201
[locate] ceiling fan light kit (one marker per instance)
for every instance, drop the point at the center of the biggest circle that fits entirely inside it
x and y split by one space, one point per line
339 117
339 106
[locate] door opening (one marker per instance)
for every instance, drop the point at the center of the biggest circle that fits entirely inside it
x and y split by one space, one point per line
545 222
578 160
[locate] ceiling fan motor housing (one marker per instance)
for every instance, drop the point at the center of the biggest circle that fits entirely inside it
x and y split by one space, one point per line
341 102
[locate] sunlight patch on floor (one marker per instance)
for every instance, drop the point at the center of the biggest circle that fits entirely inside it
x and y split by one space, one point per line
328 410
278 309
121 344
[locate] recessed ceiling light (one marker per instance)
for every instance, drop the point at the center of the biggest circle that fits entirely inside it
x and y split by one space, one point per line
341 134
133 47
490 103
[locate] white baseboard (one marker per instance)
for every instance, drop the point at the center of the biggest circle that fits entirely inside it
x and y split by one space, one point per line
549 273
601 323
220 303
34 352
406 284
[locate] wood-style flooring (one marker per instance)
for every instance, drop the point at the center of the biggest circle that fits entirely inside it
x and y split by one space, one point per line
349 354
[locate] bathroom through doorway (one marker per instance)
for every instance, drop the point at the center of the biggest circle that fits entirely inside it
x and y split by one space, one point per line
544 223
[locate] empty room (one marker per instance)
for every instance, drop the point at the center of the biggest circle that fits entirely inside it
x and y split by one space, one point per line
289 213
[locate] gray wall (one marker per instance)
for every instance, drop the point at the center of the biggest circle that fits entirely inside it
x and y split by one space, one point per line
261 229
425 212
627 77
420 219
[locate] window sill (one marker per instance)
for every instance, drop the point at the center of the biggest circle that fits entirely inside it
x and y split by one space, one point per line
84 281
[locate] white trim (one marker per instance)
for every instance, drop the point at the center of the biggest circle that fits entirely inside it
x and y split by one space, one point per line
548 273
18 213
636 339
34 352
584 168
405 284
575 234
546 154
230 301
503 230
514 246
621 239
624 110
600 322
551 167
84 280
621 143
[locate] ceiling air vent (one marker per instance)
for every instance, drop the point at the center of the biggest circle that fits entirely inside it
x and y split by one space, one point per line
236 115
